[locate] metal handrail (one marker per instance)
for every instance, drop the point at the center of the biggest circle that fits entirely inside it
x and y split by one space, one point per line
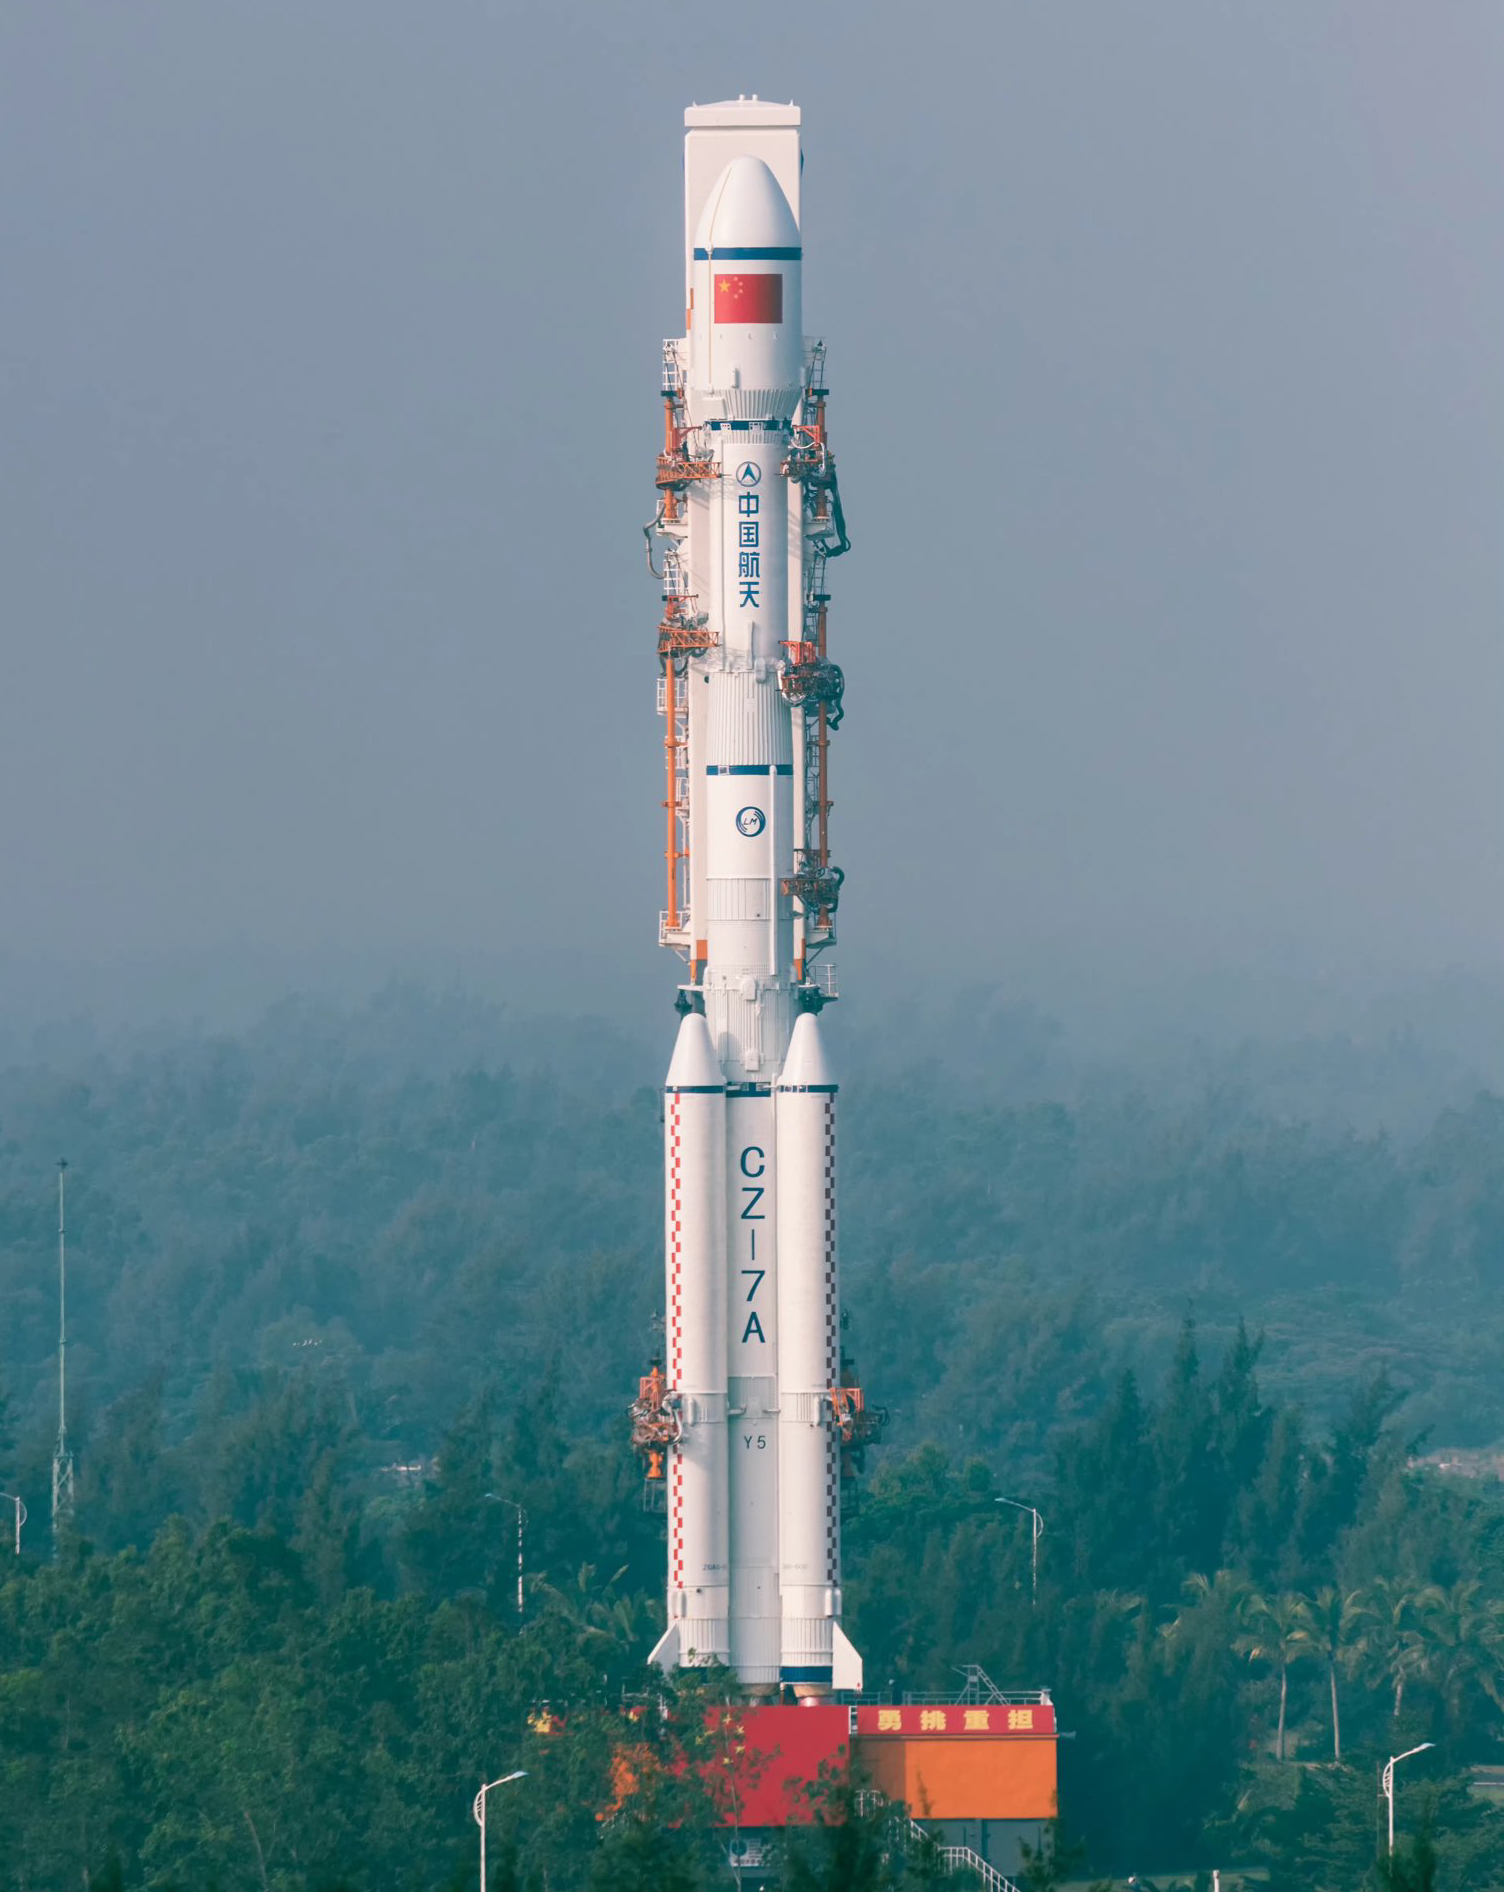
978 1686
1012 1697
962 1858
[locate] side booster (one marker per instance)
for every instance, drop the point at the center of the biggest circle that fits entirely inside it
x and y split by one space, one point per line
747 1421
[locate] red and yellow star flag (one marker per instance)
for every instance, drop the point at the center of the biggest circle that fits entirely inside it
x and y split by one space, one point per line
749 298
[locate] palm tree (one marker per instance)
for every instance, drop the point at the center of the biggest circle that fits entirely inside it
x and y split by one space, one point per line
1389 1640
1333 1620
1275 1631
1202 1629
1228 1590
1112 1621
600 1613
1464 1644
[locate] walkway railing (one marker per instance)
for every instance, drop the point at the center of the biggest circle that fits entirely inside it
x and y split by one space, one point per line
960 1859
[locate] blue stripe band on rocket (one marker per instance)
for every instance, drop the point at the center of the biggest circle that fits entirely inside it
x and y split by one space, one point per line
695 1090
749 768
821 1090
721 254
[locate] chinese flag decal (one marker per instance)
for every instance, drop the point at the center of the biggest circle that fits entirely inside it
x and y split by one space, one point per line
749 298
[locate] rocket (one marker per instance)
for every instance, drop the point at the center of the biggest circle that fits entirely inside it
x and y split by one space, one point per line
747 1422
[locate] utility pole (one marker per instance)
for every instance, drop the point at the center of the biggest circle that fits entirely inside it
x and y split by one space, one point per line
62 1457
10 1497
495 1497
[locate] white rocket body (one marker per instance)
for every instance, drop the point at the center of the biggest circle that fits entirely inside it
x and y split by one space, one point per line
752 1354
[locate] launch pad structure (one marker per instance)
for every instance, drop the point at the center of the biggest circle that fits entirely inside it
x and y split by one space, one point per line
753 1419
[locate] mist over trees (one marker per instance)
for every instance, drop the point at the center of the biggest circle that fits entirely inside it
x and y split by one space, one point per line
426 1186
348 1288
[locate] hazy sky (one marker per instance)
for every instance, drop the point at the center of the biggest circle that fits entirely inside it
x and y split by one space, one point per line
1167 347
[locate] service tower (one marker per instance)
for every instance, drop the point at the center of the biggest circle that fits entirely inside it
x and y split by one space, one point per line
747 1420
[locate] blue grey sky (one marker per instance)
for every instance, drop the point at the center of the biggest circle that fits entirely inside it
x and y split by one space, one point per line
1168 396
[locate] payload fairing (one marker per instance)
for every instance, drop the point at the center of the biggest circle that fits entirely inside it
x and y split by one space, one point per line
748 1421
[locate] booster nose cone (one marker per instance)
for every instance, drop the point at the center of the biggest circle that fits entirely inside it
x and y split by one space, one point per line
693 1066
805 1065
747 209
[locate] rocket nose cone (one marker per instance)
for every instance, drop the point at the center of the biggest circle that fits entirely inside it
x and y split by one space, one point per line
747 209
693 1066
806 1066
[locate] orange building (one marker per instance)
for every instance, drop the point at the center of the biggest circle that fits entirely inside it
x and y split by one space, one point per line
980 1775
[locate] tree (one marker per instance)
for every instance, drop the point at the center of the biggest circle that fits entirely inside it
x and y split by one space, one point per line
127 1485
1463 1640
450 1541
1189 1477
1314 1828
1201 1638
1388 1641
1049 1865
1242 1419
849 1846
1275 1633
1329 1629
637 1857
1412 1867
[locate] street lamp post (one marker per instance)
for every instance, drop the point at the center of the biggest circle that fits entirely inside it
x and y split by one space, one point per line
479 1810
1038 1532
495 1497
62 1457
1386 1786
11 1498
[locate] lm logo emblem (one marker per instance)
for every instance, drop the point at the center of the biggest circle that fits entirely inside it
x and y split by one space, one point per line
750 822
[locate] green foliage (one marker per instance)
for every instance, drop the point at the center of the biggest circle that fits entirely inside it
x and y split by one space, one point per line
1047 1866
1321 1829
638 1857
850 1848
1413 1868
